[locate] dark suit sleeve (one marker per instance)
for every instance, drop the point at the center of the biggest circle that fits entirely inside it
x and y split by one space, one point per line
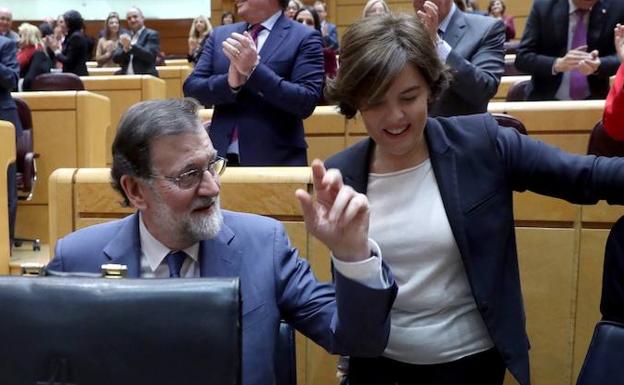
528 58
203 83
148 51
56 264
298 95
476 80
73 52
536 166
39 64
9 68
355 320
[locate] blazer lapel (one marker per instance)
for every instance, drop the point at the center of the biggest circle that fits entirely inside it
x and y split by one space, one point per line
444 166
125 247
275 38
219 256
455 29
597 22
560 25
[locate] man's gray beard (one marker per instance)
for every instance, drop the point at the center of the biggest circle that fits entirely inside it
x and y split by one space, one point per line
199 228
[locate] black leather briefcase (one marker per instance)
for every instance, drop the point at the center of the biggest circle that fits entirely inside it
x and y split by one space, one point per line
93 331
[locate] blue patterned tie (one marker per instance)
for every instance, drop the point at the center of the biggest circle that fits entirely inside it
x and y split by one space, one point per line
175 259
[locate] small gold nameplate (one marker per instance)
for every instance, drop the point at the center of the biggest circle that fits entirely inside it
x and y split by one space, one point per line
32 269
113 270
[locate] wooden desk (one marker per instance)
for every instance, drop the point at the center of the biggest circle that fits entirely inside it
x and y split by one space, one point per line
69 130
7 156
123 92
174 77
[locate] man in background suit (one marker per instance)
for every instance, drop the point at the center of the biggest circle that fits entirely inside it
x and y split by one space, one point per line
165 166
472 46
6 19
263 76
328 30
549 51
137 54
9 74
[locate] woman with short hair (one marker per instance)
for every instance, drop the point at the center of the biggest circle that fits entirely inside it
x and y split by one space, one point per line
441 201
75 51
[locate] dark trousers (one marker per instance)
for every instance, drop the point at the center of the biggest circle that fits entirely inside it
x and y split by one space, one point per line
485 368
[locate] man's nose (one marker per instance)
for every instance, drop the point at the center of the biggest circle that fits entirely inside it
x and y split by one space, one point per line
209 184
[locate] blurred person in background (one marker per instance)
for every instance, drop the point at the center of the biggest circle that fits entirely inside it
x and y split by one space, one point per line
75 48
497 9
292 8
227 18
375 8
108 42
6 20
199 32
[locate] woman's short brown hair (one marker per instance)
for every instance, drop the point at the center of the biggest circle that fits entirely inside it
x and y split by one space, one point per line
374 51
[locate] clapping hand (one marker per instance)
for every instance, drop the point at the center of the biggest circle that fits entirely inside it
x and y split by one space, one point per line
241 50
339 216
619 41
429 16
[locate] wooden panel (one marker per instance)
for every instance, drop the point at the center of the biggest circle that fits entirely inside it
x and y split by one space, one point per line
548 269
322 147
32 221
42 100
560 116
325 120
7 156
591 261
93 123
60 195
602 212
529 206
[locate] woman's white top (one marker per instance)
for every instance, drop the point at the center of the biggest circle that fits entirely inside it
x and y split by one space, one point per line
434 317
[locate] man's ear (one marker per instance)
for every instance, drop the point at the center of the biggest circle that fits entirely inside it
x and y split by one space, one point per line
135 190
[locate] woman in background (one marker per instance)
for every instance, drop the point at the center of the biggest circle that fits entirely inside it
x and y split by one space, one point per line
308 17
200 30
30 42
375 8
227 18
107 43
75 52
496 9
458 317
292 8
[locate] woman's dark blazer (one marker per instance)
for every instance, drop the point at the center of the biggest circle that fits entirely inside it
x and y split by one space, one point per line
75 54
39 64
478 165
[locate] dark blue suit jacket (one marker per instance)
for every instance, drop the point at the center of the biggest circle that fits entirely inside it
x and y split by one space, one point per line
545 39
275 284
143 53
9 73
269 109
477 166
612 301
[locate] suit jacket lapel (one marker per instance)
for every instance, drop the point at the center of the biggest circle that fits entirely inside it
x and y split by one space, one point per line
218 257
561 24
125 247
444 166
455 29
275 38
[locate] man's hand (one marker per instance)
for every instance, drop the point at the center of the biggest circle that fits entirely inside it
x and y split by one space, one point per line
619 41
589 66
429 17
124 40
572 59
339 216
242 52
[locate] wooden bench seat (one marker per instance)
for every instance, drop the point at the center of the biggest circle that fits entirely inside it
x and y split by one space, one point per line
7 156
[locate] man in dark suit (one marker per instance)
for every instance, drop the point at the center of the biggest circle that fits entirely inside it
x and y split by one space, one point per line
137 54
472 46
9 73
6 19
328 30
263 76
565 64
165 166
612 301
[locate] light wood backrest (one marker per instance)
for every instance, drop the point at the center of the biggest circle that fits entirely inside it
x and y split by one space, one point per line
7 156
69 130
123 92
173 75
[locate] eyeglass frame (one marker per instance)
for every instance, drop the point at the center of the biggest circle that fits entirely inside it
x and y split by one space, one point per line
200 172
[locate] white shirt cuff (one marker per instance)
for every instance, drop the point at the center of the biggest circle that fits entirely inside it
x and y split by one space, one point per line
367 272
444 49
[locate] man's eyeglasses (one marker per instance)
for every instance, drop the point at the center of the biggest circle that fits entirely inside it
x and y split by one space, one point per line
190 179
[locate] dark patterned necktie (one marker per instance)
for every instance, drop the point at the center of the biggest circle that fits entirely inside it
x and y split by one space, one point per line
175 259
